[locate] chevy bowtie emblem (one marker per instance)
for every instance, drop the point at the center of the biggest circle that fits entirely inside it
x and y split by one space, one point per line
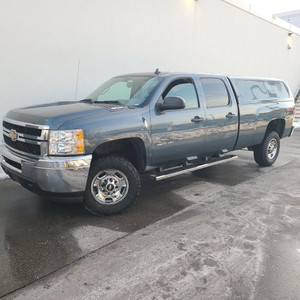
13 135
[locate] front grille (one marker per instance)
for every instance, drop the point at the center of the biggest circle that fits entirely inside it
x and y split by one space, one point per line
22 129
22 146
13 163
31 139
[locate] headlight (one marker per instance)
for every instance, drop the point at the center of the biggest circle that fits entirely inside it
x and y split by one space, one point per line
66 142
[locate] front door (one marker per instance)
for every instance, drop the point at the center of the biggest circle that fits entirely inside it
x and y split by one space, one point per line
178 133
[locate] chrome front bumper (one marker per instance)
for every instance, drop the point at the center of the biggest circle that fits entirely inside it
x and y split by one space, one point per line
61 175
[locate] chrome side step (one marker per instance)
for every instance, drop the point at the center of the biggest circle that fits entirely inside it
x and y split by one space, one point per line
182 170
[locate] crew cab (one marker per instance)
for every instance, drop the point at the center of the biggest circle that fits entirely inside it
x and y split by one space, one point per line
165 124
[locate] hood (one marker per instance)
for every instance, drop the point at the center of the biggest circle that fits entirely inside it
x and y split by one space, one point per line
58 113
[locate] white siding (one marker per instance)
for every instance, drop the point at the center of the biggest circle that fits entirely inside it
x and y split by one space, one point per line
42 41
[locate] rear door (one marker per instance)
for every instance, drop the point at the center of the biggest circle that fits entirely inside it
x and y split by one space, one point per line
221 114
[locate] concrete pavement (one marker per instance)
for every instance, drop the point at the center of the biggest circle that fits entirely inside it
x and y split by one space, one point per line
236 236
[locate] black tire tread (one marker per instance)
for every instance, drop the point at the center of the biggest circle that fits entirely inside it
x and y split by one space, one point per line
260 156
113 160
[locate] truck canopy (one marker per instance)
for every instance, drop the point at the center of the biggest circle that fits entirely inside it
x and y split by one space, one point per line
257 89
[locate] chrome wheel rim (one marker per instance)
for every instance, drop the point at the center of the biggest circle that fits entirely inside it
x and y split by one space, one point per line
272 148
109 186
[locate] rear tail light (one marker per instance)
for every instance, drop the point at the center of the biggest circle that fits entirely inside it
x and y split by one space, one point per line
291 111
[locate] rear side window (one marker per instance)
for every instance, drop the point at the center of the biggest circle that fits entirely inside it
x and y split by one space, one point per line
260 89
215 92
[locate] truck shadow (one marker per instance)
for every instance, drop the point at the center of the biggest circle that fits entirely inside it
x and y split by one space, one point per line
228 174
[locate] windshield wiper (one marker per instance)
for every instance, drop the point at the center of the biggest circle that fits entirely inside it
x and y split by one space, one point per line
111 102
87 101
101 102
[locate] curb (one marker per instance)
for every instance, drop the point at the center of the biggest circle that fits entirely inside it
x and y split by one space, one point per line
3 176
297 124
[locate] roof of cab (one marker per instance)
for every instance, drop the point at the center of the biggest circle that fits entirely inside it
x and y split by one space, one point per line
148 74
166 74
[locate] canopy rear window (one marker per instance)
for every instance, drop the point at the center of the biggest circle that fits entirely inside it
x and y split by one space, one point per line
255 89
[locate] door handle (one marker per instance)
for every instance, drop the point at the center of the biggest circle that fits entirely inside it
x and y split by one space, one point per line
230 115
197 119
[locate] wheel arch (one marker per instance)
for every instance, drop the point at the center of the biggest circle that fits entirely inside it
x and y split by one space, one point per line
277 125
131 148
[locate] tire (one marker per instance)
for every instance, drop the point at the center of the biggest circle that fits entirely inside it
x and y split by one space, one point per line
113 185
266 153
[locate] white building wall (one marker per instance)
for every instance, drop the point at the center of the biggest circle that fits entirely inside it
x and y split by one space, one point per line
42 42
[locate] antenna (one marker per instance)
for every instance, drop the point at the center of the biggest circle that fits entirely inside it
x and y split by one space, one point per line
77 79
157 72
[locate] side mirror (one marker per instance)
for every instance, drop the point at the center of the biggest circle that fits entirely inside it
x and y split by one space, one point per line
172 103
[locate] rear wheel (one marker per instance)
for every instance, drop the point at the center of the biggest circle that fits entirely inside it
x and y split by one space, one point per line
266 153
113 185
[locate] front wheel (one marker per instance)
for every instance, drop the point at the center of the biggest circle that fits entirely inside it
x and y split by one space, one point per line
112 186
266 153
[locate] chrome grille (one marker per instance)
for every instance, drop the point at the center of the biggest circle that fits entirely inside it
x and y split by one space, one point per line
24 138
13 163
23 146
22 129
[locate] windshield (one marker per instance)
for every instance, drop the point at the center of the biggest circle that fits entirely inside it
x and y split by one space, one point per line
125 90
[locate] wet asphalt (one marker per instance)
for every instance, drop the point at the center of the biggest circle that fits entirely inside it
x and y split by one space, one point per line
39 237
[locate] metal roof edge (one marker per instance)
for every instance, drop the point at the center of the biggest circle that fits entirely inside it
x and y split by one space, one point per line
288 13
249 8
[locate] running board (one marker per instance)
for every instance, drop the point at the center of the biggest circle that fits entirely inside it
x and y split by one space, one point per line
182 170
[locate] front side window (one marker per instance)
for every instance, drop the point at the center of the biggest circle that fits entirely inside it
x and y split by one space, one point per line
185 89
125 90
215 92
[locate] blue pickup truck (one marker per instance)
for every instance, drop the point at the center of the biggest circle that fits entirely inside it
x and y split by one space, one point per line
165 124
